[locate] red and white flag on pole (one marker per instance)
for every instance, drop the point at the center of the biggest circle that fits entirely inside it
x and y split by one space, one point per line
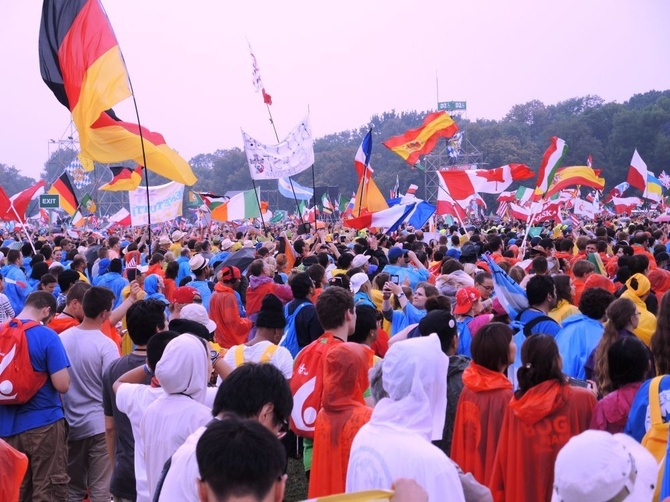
637 172
257 81
463 184
625 204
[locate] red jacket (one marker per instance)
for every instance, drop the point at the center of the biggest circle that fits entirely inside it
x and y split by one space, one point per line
534 429
479 417
231 329
261 286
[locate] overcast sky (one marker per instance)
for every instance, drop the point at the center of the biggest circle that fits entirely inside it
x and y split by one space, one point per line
191 70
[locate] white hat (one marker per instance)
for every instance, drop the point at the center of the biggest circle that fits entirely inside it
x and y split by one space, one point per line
248 244
359 260
598 466
198 313
198 262
177 235
357 280
226 244
142 269
164 240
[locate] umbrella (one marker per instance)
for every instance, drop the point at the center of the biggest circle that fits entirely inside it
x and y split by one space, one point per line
664 218
241 259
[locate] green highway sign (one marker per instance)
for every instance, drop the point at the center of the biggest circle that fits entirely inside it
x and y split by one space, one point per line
452 106
49 201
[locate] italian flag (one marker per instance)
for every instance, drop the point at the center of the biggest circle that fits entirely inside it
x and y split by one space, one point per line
242 206
550 161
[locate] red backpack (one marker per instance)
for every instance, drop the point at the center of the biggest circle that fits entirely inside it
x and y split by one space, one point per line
307 385
19 381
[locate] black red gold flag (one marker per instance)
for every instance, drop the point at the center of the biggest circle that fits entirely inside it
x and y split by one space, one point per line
124 178
68 199
80 61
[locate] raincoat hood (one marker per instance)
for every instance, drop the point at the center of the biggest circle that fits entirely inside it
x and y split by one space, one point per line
540 401
152 290
256 281
345 376
660 280
185 367
479 379
580 318
219 286
414 375
617 405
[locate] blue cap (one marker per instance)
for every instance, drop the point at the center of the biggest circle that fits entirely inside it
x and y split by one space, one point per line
396 252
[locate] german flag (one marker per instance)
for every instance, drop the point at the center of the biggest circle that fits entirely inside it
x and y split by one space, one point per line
68 199
421 141
80 61
124 178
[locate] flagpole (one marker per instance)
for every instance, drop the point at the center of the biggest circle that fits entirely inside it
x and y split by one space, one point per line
144 159
258 200
23 227
453 201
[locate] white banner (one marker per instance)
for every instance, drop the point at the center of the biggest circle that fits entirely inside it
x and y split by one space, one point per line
584 208
165 200
290 157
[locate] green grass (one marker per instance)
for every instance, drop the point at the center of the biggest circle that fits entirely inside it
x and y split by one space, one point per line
296 485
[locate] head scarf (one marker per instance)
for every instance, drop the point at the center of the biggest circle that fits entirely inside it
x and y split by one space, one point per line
414 375
151 288
642 285
185 367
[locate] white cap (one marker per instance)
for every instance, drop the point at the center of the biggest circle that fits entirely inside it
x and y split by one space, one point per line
598 466
359 260
357 280
225 245
198 313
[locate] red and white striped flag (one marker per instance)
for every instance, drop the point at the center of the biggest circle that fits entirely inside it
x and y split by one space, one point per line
589 161
502 208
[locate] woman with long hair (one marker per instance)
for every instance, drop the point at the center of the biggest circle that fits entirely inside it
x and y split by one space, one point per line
628 363
543 415
622 319
486 393
660 341
565 291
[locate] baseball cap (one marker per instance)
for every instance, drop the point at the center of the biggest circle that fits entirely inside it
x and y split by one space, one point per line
360 260
185 294
198 313
357 280
465 299
596 465
198 262
396 252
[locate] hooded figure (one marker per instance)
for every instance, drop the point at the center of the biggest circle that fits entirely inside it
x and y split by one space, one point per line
637 289
345 379
183 373
153 290
396 441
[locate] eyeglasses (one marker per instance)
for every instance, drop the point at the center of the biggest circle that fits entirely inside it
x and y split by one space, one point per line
283 429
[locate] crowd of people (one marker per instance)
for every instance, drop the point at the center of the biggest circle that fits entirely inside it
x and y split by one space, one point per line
192 365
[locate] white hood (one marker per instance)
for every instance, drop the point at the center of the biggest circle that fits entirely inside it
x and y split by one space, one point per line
414 375
185 367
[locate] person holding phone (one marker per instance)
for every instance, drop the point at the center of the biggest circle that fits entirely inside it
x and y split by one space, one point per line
405 264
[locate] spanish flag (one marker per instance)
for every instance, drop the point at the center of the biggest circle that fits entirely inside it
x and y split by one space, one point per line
575 176
68 199
80 61
421 141
124 178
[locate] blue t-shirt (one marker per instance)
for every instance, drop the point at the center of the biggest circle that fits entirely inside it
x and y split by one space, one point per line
46 354
205 292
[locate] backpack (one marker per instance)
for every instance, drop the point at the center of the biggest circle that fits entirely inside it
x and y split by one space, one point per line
290 338
464 337
656 438
265 357
19 381
307 385
526 327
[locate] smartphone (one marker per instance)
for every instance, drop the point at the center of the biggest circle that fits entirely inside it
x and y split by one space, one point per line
576 382
132 274
343 239
395 279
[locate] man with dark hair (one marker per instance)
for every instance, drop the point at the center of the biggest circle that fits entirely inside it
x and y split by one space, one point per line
202 271
307 324
65 280
253 391
113 280
240 459
581 332
541 293
16 283
144 319
399 264
91 352
38 428
79 265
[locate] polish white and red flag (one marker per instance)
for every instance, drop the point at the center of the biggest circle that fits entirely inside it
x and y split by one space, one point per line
625 204
637 172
